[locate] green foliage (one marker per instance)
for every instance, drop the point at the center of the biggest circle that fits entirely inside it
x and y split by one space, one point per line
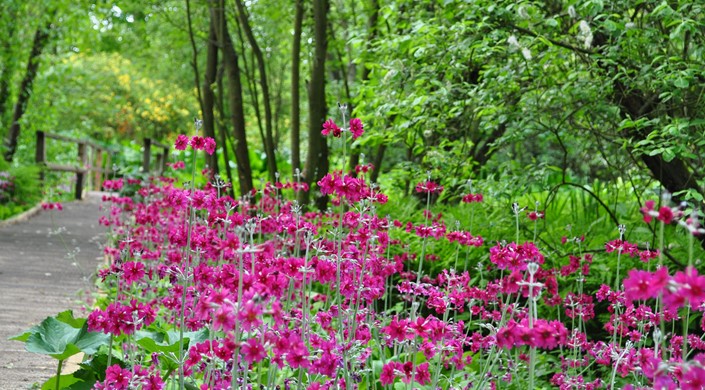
61 337
22 191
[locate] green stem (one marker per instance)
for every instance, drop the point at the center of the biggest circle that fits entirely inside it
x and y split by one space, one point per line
58 374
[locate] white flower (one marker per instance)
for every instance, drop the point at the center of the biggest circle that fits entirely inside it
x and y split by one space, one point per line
571 12
526 53
513 43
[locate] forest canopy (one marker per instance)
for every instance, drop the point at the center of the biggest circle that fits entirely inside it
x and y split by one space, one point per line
550 92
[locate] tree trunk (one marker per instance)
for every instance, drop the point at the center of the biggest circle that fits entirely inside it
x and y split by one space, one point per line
317 156
237 112
269 147
222 129
377 163
208 96
41 38
371 36
295 86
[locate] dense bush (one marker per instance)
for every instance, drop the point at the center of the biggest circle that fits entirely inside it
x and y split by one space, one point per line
20 189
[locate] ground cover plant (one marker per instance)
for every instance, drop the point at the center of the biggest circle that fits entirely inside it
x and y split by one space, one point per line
203 291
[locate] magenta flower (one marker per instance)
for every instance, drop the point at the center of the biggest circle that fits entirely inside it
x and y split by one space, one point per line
182 142
198 143
253 351
429 187
642 285
329 127
132 271
356 127
209 146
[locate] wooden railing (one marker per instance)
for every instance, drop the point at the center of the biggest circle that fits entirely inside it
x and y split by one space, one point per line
161 158
91 159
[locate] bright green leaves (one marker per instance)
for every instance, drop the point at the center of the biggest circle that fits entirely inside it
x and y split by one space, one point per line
61 337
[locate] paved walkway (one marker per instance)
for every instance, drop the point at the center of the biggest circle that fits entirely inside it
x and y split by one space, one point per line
45 264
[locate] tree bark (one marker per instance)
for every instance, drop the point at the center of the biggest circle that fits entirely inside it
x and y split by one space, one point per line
269 146
317 156
41 38
237 112
208 97
295 86
222 129
372 31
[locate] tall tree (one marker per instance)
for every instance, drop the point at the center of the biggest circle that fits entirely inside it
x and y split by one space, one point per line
295 87
41 38
208 97
237 111
317 156
269 146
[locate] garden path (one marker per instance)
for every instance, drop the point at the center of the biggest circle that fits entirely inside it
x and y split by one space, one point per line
46 264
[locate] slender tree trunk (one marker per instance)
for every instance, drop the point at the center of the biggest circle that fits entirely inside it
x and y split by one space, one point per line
377 162
194 58
269 146
295 88
208 96
237 112
317 156
222 129
41 38
371 36
251 85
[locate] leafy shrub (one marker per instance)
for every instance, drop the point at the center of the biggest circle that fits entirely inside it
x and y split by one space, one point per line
20 189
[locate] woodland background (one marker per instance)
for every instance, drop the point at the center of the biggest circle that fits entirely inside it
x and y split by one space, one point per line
595 98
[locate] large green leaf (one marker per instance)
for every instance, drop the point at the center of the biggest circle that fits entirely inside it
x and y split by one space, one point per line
62 336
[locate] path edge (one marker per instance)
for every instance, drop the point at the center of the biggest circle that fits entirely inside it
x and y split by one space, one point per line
22 216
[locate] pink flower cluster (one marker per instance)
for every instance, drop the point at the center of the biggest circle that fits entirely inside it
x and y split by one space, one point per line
331 128
118 378
351 189
196 142
331 294
429 187
470 198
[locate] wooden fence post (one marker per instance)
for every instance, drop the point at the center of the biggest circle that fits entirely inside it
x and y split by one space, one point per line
81 173
40 154
146 155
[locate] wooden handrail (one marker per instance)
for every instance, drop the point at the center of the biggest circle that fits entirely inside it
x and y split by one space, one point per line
82 169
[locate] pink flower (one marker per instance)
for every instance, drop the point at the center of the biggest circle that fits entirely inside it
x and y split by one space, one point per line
253 351
647 209
181 142
644 284
396 329
469 198
429 187
423 376
209 146
198 143
534 215
132 271
386 377
665 215
329 127
356 127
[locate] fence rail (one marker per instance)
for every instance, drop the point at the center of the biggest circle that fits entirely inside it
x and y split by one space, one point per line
92 158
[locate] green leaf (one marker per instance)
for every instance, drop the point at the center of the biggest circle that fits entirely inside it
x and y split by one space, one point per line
681 83
59 338
65 381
